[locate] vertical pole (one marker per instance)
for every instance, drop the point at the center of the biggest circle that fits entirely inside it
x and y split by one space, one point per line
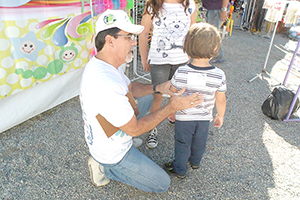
291 63
93 23
292 105
270 47
134 17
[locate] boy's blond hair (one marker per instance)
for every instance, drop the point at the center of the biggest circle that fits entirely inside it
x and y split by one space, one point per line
202 41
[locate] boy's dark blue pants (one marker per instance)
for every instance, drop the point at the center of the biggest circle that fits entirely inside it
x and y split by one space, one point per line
190 142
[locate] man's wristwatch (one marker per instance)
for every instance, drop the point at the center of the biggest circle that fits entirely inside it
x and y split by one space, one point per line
224 9
154 89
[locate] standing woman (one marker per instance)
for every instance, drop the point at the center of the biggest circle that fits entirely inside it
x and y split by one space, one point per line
170 20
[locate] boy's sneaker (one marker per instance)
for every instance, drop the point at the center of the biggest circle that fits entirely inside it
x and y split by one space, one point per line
170 169
195 166
97 173
152 140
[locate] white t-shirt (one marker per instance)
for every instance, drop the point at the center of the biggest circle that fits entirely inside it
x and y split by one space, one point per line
103 90
168 34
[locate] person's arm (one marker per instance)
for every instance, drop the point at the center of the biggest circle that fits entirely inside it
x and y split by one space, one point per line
171 117
143 40
194 16
223 15
221 107
136 127
141 89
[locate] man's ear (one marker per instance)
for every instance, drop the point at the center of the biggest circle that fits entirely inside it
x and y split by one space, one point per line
109 39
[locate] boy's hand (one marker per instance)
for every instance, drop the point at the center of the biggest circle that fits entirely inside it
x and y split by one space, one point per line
218 121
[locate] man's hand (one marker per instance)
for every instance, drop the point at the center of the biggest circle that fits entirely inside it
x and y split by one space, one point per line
179 102
164 88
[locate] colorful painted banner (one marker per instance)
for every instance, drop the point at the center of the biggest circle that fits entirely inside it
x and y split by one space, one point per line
44 46
41 40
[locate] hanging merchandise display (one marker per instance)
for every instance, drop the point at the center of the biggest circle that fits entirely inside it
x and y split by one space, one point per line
238 14
250 5
253 15
275 10
282 102
292 13
292 20
259 15
275 15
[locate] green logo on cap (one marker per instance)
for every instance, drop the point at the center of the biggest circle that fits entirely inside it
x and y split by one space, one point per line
109 19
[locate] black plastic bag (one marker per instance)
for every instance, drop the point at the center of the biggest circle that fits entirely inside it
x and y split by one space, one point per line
278 103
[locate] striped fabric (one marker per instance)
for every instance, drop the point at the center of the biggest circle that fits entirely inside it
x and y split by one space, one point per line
206 81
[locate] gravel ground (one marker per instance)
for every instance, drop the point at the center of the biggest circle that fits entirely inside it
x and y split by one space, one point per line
250 157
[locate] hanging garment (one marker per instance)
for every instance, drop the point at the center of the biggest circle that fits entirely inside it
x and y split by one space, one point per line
258 16
292 13
275 10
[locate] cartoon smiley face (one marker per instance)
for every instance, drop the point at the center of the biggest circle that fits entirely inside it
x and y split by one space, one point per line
68 54
27 47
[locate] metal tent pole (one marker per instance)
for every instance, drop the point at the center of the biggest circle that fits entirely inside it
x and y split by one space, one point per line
292 61
267 58
298 91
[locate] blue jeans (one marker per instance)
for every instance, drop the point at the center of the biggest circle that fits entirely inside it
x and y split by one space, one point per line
139 171
213 18
135 168
190 142
144 104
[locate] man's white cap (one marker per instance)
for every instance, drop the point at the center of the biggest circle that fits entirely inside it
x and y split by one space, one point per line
119 19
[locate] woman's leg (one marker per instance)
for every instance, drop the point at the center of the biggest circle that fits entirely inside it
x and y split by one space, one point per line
159 74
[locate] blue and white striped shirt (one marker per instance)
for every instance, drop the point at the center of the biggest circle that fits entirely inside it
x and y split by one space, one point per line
206 81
